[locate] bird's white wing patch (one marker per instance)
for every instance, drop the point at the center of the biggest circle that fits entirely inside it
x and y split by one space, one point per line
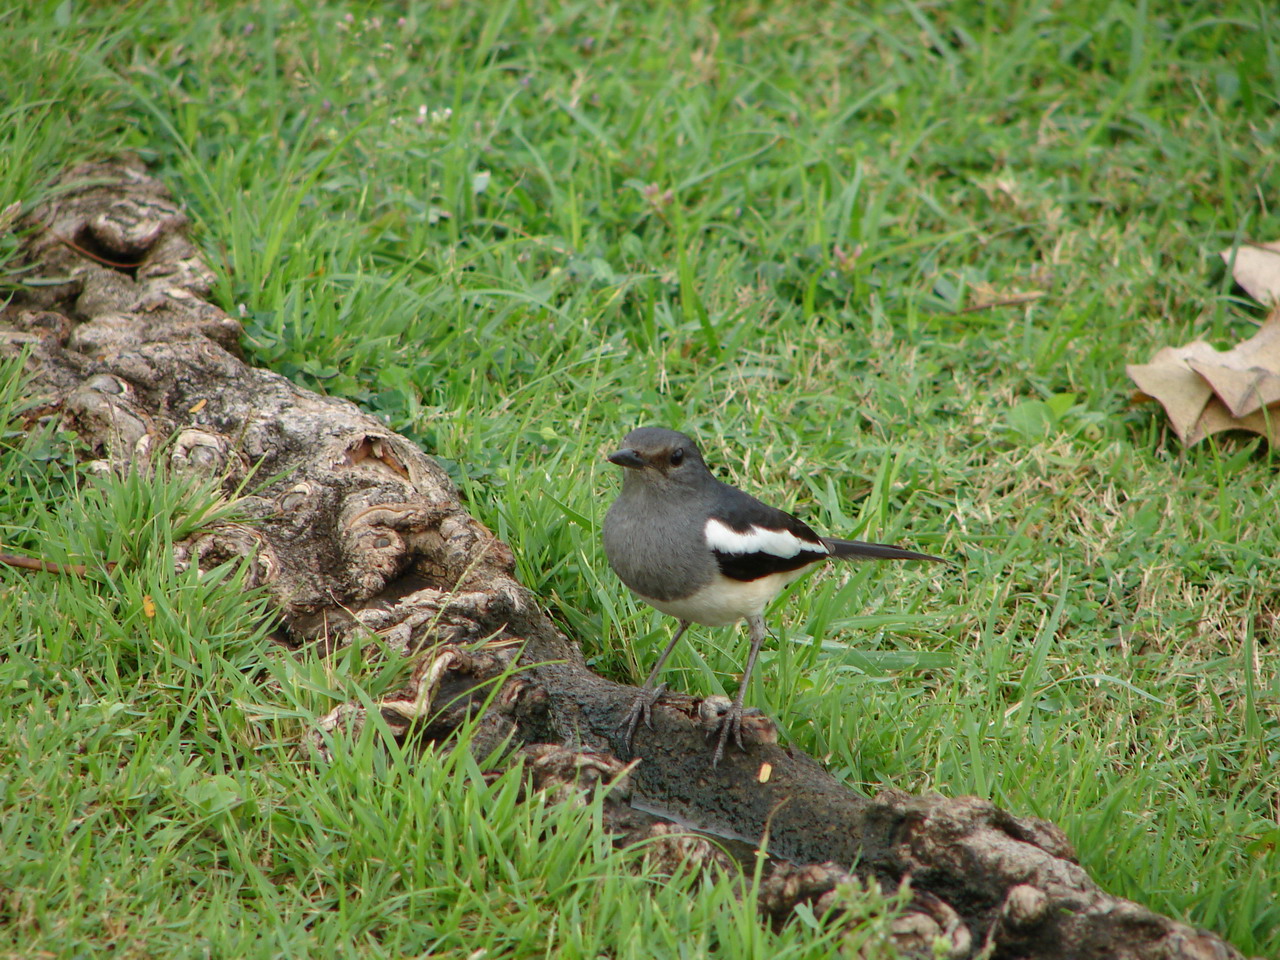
779 543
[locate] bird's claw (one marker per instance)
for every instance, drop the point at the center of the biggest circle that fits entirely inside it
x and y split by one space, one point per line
730 724
641 710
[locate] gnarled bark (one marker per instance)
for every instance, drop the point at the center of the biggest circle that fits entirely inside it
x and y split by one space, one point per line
360 532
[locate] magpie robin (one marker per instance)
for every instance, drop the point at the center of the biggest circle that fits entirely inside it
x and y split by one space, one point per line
705 552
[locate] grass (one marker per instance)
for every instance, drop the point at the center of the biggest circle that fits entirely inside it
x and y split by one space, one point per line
516 230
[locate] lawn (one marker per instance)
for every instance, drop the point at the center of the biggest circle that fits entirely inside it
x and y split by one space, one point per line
886 261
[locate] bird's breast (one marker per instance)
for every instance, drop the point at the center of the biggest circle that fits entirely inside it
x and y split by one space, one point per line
658 555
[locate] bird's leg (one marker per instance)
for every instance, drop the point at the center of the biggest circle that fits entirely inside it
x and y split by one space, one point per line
647 696
731 722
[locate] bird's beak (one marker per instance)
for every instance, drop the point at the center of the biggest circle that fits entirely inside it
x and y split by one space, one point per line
626 458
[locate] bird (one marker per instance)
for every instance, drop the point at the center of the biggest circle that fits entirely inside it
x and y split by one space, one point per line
705 552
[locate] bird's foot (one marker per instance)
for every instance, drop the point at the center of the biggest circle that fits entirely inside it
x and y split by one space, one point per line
641 710
724 718
730 725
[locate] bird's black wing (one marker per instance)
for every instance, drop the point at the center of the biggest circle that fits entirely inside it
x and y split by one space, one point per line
750 539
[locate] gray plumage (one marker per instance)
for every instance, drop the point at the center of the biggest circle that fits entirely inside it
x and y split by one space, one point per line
653 535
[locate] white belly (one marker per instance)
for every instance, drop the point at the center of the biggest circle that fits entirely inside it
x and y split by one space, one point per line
725 600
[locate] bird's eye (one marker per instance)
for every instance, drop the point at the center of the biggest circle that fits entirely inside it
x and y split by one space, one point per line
677 456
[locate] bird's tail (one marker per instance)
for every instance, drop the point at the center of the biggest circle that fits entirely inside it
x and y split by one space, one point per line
860 550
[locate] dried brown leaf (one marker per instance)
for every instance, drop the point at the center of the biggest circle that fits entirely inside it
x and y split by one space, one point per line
1218 419
1206 391
1247 377
1257 269
1169 379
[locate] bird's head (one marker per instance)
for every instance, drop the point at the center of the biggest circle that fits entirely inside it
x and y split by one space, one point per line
660 458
